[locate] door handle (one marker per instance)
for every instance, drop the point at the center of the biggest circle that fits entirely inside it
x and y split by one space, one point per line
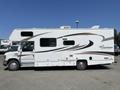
70 55
33 55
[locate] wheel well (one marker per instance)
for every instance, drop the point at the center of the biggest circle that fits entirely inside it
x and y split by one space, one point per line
83 60
13 59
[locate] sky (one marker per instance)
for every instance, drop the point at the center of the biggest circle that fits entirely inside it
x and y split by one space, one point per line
56 13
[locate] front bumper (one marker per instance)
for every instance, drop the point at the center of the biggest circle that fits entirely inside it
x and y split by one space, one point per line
5 63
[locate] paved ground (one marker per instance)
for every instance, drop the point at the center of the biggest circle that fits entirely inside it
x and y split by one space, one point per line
95 78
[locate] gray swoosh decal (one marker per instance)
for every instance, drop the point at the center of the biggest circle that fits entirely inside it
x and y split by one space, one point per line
76 35
89 45
25 54
50 50
97 53
77 47
71 48
104 39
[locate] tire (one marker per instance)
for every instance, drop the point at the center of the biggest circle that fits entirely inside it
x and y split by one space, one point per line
81 65
13 65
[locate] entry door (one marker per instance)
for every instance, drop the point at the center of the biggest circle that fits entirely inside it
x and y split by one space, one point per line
27 55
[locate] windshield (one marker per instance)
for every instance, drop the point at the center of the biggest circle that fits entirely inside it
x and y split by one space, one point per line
13 48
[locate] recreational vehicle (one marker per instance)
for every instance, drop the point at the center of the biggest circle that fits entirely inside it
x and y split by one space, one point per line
78 47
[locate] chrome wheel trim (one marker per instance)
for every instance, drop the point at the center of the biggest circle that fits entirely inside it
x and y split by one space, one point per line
13 65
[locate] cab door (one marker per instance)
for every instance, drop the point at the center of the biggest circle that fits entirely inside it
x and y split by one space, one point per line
27 54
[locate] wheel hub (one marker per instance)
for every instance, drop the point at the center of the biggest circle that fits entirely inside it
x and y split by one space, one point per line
13 65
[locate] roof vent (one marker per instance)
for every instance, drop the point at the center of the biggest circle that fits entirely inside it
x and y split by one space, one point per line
95 27
65 27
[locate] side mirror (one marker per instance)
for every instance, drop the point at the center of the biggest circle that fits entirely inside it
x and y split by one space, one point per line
19 49
33 50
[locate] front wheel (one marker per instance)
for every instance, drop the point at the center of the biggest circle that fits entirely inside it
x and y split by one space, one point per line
81 65
13 65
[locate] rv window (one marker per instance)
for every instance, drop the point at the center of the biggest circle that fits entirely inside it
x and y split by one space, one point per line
69 42
48 42
24 34
27 46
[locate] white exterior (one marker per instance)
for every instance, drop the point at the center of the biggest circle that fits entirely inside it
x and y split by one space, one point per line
95 43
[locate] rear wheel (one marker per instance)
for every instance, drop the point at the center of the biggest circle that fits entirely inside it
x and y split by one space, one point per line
13 65
81 65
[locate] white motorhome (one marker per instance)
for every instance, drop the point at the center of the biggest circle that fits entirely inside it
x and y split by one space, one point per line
78 47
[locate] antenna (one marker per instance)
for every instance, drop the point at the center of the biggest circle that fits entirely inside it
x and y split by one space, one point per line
77 23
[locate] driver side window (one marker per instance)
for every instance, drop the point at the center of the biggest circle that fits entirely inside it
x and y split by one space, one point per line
28 46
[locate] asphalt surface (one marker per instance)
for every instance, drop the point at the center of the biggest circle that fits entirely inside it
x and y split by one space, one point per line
61 78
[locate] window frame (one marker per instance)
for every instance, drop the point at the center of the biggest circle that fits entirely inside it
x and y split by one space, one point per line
24 34
68 41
